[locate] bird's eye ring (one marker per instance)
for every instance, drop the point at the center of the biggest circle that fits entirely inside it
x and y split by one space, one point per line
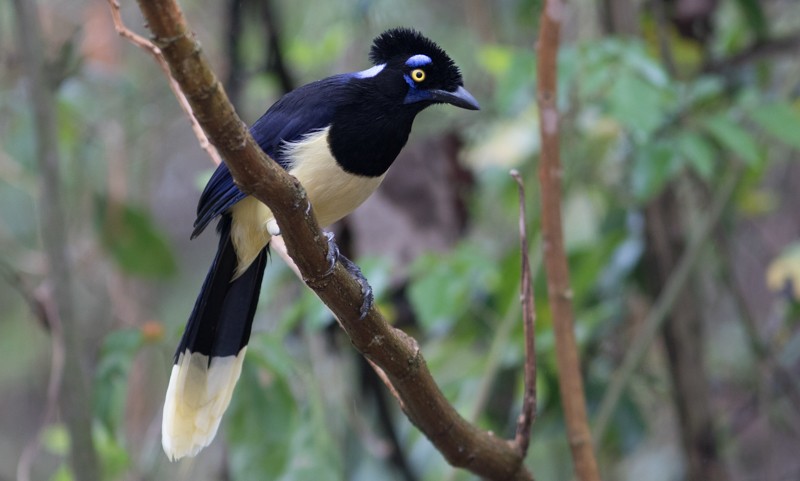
418 75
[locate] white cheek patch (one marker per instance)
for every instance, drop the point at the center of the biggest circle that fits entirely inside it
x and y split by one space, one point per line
371 72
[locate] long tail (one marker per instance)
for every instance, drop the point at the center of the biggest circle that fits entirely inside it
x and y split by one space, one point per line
208 360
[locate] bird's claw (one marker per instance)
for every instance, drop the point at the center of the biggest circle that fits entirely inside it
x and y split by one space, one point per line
333 254
366 290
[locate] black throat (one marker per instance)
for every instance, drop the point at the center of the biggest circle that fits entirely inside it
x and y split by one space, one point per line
368 132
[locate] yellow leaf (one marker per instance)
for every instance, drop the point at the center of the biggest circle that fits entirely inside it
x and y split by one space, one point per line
783 272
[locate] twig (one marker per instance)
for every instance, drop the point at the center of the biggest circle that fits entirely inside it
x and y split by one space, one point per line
528 415
555 260
42 306
397 354
658 314
759 50
155 52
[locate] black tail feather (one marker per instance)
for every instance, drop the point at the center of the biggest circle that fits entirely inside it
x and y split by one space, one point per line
223 314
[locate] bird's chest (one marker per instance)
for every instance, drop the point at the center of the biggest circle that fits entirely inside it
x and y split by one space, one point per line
333 192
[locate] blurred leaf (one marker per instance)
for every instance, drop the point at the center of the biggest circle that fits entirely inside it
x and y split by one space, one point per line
260 420
134 241
653 165
113 456
111 377
704 89
55 439
312 452
443 288
757 202
63 473
734 138
512 69
496 59
637 104
753 13
698 152
779 120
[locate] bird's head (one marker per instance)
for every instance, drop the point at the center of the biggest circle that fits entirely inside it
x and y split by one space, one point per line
416 71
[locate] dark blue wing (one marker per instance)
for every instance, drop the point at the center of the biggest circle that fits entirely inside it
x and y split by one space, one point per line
301 111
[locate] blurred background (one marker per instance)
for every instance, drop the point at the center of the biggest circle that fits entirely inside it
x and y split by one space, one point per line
681 149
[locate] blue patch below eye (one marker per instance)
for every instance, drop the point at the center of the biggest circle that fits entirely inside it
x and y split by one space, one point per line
416 95
418 61
410 82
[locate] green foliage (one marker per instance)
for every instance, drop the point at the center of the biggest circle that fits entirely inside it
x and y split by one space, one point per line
629 129
133 240
111 378
780 120
734 138
258 439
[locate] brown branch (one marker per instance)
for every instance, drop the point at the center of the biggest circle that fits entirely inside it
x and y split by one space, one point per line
153 50
528 415
75 393
555 259
397 354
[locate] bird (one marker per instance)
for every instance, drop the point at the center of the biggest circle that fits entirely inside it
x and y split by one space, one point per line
338 136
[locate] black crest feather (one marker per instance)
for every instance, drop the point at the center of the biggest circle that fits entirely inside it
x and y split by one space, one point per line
398 44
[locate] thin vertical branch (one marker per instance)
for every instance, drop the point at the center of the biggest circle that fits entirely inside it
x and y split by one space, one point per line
75 390
555 259
528 414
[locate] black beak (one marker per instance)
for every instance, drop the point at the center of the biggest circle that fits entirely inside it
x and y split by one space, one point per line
459 98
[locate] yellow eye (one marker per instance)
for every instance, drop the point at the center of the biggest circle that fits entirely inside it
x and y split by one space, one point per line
418 75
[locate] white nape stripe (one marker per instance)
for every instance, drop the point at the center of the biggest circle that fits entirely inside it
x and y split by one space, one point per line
197 397
418 60
371 72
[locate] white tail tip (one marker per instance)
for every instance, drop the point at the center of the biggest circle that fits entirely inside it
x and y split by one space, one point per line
197 397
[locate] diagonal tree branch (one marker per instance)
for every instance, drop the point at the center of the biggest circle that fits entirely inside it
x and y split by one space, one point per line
555 259
397 354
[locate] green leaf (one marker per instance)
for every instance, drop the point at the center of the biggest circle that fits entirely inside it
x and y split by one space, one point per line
133 240
698 152
111 377
113 456
261 418
653 165
63 473
444 287
55 439
637 104
779 120
753 13
734 138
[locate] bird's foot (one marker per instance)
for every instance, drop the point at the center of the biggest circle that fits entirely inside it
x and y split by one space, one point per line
333 253
366 290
